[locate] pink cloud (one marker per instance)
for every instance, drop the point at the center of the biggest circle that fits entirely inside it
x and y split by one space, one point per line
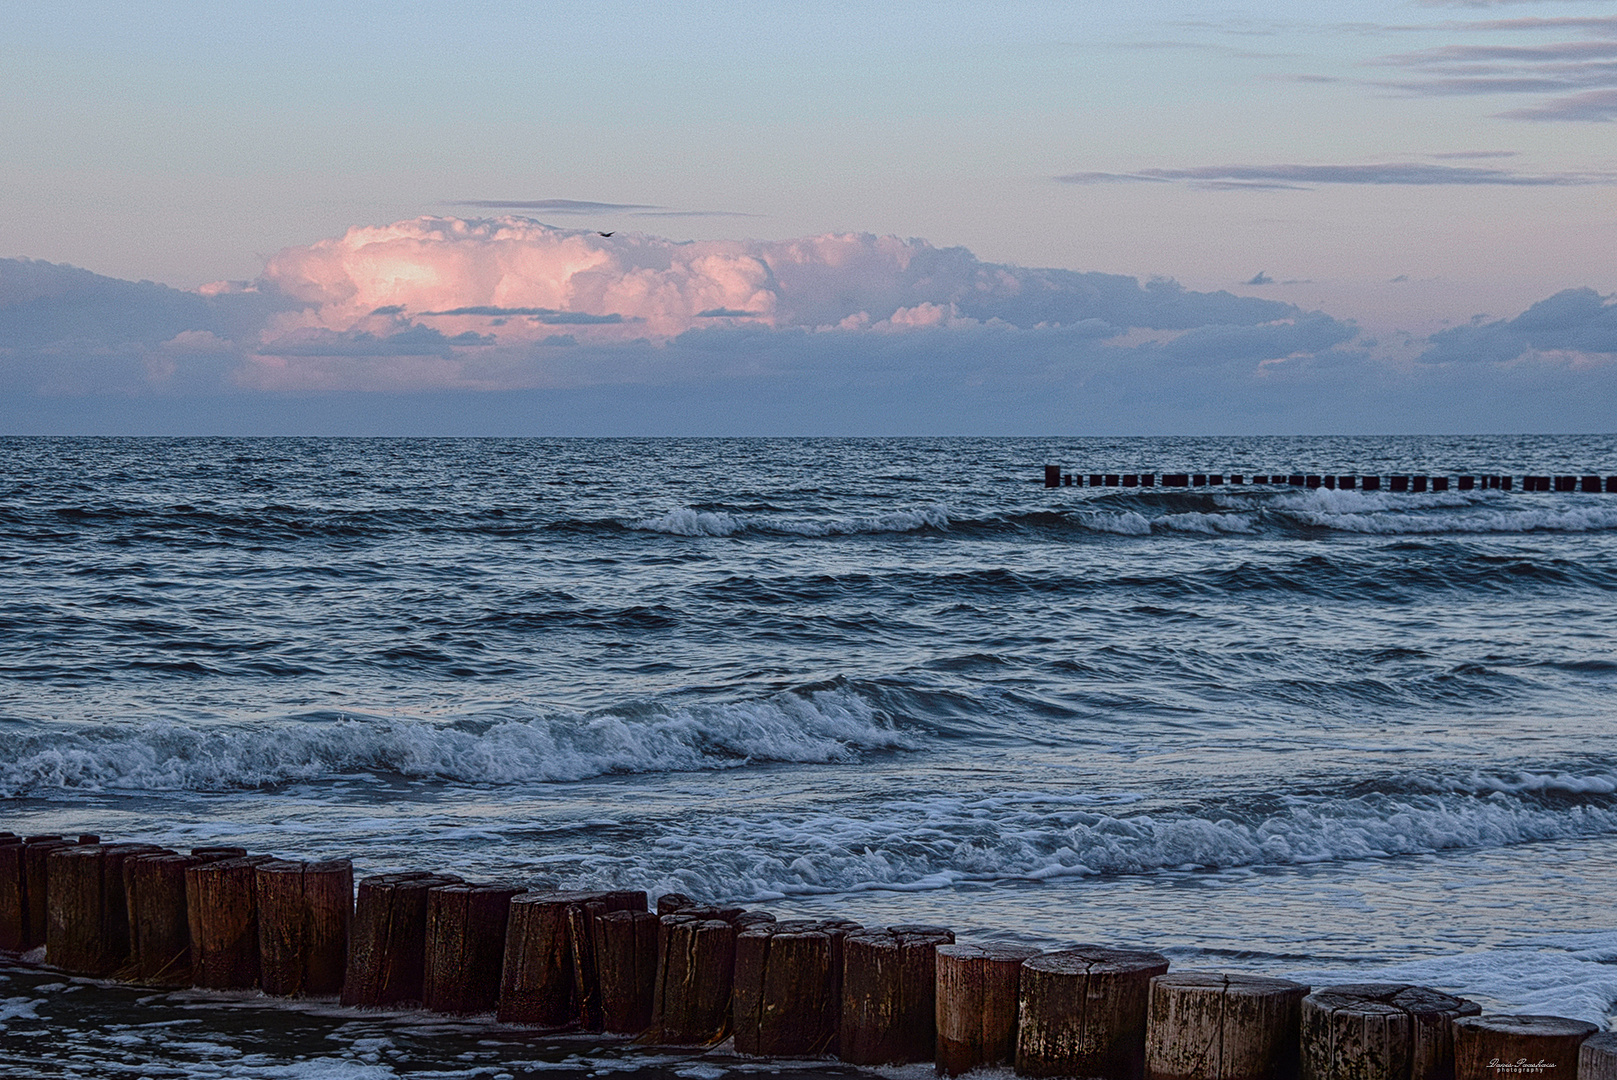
519 279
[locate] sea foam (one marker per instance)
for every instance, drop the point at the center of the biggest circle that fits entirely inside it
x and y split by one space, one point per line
816 726
937 842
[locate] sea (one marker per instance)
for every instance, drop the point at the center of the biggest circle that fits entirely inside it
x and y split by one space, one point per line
1330 735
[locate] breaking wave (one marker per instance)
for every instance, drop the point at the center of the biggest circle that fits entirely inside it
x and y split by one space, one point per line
811 727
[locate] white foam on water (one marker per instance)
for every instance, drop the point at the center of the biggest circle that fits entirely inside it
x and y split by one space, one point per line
1596 784
688 522
815 727
1211 524
935 843
1573 975
1385 514
18 1008
1127 523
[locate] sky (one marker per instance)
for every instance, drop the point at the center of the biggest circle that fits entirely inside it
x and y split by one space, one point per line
824 218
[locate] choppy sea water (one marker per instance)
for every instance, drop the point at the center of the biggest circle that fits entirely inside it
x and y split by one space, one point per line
1334 735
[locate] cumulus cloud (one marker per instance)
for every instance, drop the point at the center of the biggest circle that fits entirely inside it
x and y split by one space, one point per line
1576 325
510 325
513 278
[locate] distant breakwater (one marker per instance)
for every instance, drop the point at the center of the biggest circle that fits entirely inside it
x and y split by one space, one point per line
1589 484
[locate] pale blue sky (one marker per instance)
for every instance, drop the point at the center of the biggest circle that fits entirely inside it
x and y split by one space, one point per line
184 141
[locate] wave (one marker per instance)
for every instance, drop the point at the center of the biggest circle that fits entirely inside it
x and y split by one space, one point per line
933 843
1394 515
688 522
801 726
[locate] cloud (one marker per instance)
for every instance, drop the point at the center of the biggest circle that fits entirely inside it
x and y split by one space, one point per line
467 275
1605 25
593 209
411 341
1260 278
1592 106
554 206
1575 323
446 325
1577 75
1297 177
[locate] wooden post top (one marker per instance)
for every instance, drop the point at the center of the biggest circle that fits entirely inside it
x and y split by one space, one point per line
1097 959
1229 983
1000 952
1389 999
898 936
1550 1027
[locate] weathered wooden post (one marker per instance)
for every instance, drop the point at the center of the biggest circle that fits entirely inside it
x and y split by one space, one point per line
550 976
1213 1026
221 901
13 895
1517 1047
1052 476
889 995
1380 1031
1597 1057
388 939
304 913
87 921
159 934
465 946
36 871
788 1000
670 902
73 917
977 993
695 970
626 959
1083 1013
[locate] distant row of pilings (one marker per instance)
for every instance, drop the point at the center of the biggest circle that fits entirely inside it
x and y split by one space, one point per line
695 975
1054 477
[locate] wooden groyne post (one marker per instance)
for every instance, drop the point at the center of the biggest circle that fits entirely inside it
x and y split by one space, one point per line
788 987
1518 1047
1380 1031
978 991
387 941
550 977
221 901
304 913
889 994
465 946
1083 1012
1205 1025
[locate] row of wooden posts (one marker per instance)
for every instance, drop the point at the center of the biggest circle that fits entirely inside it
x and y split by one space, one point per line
689 974
1054 477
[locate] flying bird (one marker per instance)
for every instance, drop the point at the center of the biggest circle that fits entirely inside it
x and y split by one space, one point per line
603 233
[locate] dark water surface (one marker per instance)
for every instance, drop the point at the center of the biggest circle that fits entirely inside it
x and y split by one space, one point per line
1326 734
